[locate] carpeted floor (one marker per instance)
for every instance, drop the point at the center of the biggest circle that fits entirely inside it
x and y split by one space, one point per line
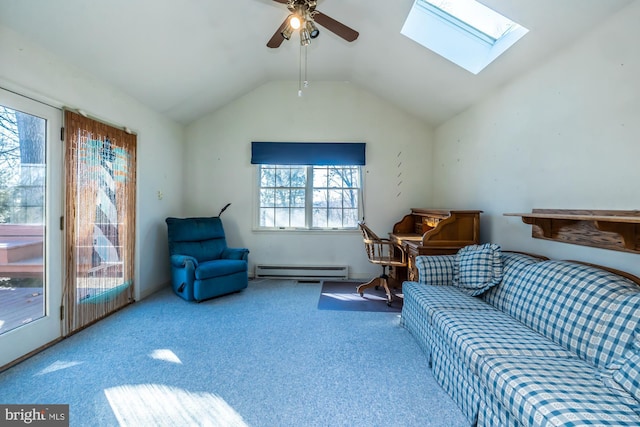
342 295
263 357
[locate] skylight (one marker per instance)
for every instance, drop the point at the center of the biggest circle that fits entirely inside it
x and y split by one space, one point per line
465 32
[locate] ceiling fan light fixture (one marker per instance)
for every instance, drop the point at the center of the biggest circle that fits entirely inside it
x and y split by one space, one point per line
305 39
286 33
312 29
295 21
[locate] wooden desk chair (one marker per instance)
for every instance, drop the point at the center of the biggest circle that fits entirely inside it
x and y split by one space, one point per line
382 252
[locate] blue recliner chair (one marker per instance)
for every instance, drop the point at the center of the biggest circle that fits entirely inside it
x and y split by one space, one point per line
202 266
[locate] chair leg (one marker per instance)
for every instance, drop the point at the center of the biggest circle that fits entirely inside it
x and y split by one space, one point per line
387 290
378 281
370 284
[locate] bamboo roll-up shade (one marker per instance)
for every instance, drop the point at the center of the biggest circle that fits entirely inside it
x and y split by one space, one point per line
100 171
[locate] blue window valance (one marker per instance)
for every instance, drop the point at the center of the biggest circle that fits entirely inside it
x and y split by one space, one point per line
308 153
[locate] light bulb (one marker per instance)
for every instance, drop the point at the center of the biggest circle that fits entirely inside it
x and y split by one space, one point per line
295 22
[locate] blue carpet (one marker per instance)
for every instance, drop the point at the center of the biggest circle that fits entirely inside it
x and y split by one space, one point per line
263 357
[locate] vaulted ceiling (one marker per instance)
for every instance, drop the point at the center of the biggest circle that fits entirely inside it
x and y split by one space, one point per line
186 58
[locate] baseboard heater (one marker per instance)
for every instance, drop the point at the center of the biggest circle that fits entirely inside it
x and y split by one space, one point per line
302 272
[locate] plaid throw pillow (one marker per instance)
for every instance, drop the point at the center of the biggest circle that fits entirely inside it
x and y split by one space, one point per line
478 268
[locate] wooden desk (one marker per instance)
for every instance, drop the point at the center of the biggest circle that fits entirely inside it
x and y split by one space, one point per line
433 232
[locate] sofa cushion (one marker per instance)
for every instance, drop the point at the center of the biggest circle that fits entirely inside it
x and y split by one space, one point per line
513 264
553 392
421 302
628 376
623 376
616 327
477 268
474 335
588 311
429 299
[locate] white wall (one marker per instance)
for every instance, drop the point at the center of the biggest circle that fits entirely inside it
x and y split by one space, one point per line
564 136
218 169
32 71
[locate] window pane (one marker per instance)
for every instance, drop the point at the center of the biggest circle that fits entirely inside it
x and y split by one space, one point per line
297 217
335 198
23 177
350 199
267 218
354 178
298 198
267 198
283 178
476 15
350 218
337 178
299 177
282 198
267 176
319 177
282 217
320 198
320 218
335 218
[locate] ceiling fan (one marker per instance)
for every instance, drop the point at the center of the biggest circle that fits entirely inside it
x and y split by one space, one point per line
303 17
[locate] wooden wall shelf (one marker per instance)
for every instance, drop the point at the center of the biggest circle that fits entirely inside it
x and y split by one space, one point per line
607 229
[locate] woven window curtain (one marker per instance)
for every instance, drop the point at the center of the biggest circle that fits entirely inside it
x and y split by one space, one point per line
100 172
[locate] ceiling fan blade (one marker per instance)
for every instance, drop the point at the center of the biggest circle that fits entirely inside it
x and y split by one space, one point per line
336 27
282 1
277 38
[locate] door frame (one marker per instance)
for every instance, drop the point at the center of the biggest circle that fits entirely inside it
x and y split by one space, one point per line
21 342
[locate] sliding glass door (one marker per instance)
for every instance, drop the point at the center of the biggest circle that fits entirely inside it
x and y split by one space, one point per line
31 194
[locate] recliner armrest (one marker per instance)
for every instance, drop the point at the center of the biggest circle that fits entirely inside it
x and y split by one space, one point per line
181 261
236 253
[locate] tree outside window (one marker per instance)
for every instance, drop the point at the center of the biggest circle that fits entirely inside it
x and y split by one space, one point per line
22 167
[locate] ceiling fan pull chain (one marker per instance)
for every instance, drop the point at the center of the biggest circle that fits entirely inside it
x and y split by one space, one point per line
300 73
306 80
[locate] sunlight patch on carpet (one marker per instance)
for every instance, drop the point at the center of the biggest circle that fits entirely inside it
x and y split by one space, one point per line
58 365
166 355
160 405
348 297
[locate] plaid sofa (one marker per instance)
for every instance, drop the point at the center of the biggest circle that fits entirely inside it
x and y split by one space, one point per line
555 343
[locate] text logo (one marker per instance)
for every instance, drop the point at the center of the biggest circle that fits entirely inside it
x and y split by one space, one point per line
34 415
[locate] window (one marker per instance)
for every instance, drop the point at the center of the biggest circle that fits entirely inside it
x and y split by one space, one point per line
308 185
309 196
465 32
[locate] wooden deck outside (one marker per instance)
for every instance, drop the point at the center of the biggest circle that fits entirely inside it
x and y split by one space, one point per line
21 249
19 306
